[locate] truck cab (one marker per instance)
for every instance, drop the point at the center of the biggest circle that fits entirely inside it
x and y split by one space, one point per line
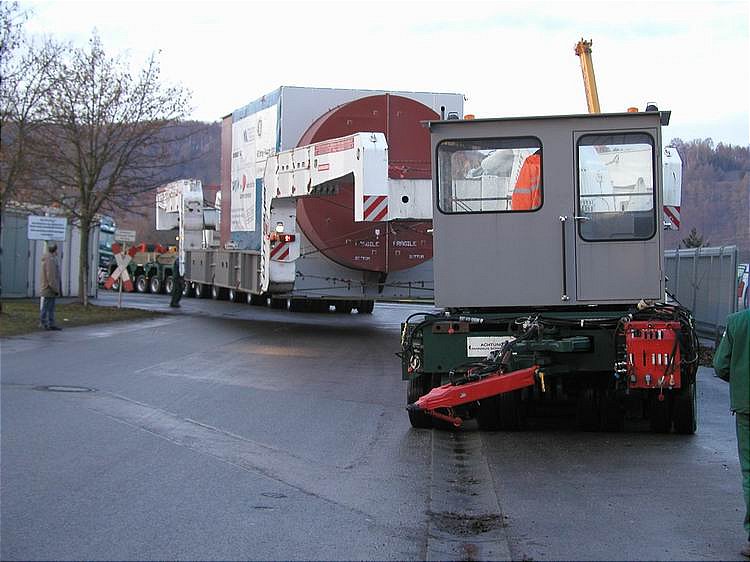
548 266
592 235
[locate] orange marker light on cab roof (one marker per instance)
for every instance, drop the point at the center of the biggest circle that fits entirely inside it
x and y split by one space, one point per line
632 110
469 117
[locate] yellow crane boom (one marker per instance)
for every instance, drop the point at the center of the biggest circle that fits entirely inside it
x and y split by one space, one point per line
583 50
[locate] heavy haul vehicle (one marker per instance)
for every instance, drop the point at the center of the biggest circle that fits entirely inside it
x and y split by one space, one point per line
152 268
325 200
549 278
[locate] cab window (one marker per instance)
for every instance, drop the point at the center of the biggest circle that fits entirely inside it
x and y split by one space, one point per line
489 175
616 195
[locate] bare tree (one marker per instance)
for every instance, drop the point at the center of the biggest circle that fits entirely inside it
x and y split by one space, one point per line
103 143
24 79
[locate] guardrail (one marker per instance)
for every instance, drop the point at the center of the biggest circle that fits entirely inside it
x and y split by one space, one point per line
705 281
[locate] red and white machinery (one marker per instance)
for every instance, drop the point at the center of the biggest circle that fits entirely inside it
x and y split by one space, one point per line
326 197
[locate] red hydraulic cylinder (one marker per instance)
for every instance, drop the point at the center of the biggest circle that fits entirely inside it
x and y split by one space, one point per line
449 395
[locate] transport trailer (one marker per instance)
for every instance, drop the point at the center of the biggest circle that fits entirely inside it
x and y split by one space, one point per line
549 277
325 200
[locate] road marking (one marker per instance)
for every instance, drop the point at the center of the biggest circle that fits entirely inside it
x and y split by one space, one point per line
465 521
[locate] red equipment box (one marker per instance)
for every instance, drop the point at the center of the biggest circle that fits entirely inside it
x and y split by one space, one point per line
653 354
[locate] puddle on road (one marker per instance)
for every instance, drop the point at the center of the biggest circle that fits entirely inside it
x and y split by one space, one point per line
271 350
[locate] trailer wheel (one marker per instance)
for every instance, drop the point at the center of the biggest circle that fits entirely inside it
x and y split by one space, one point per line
685 409
187 289
141 284
277 303
365 307
419 386
343 307
233 295
660 414
298 305
218 293
488 415
510 413
169 284
612 412
155 284
587 410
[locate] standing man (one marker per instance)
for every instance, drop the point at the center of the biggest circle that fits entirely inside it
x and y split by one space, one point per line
732 363
178 286
51 287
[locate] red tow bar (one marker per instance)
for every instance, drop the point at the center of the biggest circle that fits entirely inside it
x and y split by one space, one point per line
449 395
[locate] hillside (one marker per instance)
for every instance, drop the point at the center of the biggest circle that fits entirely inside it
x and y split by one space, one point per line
715 192
715 195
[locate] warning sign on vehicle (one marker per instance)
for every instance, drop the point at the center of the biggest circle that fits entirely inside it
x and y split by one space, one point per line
484 345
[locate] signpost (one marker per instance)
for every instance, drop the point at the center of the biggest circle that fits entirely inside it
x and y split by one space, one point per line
121 272
122 235
46 228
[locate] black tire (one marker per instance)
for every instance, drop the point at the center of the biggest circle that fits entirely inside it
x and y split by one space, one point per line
154 284
277 303
660 412
141 283
187 289
169 284
612 412
298 305
218 293
587 410
510 413
488 414
256 300
685 409
343 307
419 386
233 295
366 307
200 290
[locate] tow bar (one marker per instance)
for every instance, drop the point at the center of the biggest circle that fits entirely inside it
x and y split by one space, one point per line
451 395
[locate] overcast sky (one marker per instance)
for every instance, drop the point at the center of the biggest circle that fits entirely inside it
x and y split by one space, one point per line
508 58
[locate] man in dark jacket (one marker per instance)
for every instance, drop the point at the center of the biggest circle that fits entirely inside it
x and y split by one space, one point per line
732 363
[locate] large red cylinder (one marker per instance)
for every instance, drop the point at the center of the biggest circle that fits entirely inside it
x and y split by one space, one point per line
328 221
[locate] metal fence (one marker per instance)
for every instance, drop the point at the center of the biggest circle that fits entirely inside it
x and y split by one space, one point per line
20 258
705 281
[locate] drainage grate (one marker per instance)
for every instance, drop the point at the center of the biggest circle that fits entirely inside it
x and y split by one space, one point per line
64 388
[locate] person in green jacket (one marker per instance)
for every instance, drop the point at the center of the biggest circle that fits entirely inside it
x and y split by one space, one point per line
732 363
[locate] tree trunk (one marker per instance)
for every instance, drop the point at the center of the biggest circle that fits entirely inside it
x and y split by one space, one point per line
83 262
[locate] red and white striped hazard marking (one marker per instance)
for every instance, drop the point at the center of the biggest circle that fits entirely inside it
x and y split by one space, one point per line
673 214
121 272
280 251
375 207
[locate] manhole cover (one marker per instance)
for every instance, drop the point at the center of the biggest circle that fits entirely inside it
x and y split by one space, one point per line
63 388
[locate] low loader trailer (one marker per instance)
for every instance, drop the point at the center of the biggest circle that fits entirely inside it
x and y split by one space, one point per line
549 278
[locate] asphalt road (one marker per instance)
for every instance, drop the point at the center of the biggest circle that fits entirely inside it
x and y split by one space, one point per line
225 431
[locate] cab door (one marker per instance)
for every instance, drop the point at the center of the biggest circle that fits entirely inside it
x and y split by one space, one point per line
618 193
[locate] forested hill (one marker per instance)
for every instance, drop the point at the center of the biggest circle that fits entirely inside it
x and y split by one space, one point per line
715 195
715 186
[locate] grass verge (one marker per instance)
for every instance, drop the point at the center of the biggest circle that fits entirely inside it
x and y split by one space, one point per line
21 316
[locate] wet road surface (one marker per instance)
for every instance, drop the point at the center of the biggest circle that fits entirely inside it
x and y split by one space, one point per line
225 431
